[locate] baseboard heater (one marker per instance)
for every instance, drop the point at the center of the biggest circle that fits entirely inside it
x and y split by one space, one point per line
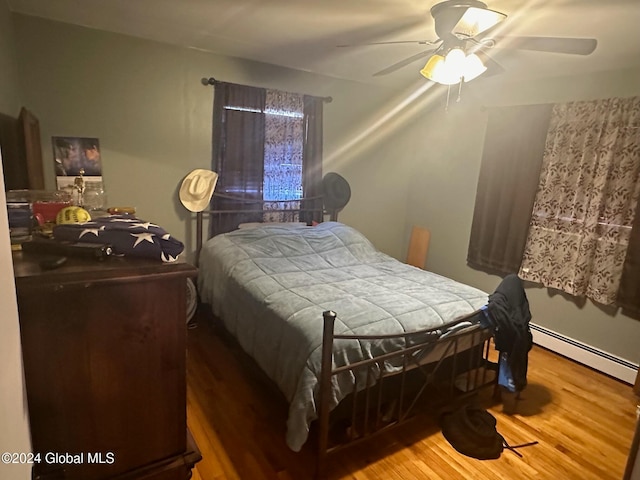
592 357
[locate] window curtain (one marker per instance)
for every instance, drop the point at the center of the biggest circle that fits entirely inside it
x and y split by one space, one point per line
586 201
629 292
509 172
283 154
238 143
312 158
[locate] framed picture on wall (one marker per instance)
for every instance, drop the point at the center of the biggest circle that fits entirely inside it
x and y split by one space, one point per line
76 157
73 155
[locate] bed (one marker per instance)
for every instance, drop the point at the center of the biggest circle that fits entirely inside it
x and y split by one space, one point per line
332 321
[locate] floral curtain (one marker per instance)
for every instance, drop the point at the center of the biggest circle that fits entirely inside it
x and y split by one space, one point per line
586 201
283 153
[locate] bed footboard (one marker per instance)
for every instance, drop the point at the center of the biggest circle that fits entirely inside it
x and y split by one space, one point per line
446 362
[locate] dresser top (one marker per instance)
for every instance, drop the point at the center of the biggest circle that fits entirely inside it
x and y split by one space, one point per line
29 272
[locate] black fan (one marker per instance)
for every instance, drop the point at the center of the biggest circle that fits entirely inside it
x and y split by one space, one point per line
466 24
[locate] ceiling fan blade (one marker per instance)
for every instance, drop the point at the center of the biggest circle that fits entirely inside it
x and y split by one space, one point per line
419 42
573 46
404 63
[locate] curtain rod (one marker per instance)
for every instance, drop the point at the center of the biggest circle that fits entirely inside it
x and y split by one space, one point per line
213 81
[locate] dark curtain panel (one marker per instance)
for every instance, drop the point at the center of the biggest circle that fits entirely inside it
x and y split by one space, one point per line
238 151
629 291
312 157
509 174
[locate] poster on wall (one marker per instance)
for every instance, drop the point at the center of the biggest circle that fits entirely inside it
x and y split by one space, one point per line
76 156
78 167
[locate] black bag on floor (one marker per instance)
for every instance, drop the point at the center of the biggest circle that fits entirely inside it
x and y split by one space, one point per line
472 432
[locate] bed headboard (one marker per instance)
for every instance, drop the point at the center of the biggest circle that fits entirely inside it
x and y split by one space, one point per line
231 211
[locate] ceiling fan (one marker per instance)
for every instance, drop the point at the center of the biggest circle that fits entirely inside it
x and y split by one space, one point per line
463 29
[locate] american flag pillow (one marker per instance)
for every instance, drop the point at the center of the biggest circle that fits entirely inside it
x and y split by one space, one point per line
126 234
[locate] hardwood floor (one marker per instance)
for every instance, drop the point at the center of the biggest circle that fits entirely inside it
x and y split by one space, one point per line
583 421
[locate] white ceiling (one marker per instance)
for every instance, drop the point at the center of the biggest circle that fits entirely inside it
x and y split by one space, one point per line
304 34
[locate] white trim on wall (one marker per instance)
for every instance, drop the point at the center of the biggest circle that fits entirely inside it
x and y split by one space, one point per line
587 355
14 417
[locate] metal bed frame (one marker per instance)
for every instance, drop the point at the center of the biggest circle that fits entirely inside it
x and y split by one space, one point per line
369 409
459 351
333 214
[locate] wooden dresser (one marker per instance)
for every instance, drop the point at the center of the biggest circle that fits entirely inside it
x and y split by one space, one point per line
104 348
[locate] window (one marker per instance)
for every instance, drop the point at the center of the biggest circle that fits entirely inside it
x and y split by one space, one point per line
283 146
267 146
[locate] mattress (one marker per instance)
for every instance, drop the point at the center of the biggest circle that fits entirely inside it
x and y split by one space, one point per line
270 285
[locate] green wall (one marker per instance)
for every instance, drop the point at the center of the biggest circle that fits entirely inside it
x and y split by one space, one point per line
9 84
145 102
14 423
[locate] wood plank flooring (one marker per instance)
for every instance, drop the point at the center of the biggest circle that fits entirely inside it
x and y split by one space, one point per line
583 421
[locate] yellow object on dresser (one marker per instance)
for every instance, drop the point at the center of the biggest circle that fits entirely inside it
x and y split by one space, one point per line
72 214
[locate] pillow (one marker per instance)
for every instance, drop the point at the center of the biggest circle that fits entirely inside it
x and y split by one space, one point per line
244 226
127 235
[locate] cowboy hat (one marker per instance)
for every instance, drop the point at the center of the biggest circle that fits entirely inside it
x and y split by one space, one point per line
336 191
197 189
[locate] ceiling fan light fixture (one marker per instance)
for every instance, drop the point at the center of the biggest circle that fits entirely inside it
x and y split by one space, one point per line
474 67
454 67
432 70
455 59
438 70
477 20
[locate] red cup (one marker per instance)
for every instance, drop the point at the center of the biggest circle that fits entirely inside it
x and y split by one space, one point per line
48 210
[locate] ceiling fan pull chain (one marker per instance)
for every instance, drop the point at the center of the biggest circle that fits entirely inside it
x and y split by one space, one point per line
446 107
459 91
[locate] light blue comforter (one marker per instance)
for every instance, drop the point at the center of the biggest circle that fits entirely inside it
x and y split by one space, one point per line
271 284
